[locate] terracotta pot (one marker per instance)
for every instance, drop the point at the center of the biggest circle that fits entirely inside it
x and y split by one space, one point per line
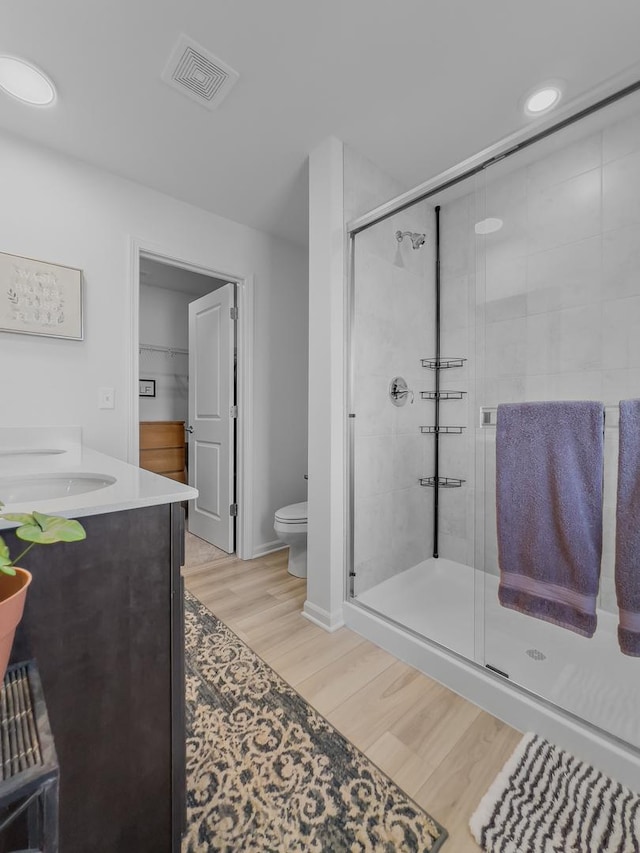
13 592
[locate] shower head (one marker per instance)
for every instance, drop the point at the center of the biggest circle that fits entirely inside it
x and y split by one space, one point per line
417 240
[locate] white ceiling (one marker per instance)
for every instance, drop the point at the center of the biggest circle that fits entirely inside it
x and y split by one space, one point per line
170 277
416 85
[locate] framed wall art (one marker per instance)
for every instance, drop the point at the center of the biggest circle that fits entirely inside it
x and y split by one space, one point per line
39 298
147 388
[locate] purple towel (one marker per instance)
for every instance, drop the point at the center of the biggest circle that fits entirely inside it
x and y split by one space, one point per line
549 507
628 529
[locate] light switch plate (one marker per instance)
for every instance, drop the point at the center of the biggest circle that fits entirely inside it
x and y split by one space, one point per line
106 398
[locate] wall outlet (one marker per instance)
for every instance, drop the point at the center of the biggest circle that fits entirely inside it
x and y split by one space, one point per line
106 398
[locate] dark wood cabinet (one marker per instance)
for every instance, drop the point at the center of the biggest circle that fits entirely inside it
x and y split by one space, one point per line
104 620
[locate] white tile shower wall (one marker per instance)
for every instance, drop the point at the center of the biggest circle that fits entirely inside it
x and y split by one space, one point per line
560 318
457 247
393 330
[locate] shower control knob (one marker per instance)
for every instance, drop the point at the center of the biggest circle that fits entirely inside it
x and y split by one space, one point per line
399 391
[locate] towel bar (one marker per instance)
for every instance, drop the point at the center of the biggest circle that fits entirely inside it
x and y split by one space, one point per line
489 416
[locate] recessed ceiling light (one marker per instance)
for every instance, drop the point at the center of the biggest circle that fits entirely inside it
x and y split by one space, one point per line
25 82
489 225
542 100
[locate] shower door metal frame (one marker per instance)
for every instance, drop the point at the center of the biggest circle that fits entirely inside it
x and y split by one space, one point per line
601 98
605 95
350 576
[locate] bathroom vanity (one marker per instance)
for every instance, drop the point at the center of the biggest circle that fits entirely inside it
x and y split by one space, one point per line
104 619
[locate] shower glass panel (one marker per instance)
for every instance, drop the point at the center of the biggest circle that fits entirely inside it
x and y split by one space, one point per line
558 318
536 298
410 444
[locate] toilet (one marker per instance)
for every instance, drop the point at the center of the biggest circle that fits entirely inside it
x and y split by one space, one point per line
290 525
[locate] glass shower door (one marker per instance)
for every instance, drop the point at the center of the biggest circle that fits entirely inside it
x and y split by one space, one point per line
558 313
411 448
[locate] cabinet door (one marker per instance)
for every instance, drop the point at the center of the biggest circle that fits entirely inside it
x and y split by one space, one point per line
103 620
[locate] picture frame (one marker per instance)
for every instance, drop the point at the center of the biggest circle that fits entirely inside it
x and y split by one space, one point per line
147 388
40 298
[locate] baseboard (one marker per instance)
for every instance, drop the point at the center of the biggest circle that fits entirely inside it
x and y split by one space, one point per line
329 621
268 548
500 697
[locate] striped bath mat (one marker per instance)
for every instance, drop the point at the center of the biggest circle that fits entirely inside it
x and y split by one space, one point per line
546 801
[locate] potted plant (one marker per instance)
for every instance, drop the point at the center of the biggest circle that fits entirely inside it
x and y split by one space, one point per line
36 529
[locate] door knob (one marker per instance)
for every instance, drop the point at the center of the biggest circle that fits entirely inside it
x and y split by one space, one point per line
189 429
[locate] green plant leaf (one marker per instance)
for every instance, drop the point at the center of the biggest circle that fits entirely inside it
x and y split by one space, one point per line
20 517
4 552
7 570
47 529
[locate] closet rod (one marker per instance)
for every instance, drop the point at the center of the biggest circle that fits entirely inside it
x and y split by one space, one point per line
169 350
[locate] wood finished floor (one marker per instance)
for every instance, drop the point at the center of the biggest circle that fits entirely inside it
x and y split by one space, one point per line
439 748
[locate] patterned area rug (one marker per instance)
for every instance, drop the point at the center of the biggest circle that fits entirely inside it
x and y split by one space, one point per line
266 772
546 801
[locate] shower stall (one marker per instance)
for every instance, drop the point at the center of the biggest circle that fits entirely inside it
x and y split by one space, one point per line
515 281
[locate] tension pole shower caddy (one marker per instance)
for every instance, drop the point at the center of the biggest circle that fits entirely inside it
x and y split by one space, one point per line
438 364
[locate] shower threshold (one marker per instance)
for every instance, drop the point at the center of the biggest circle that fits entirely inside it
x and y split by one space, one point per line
590 678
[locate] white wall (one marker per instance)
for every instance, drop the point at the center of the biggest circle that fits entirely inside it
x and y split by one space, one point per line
326 543
342 185
58 209
393 330
164 322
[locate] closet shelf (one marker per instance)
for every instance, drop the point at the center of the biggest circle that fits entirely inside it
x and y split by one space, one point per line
446 430
442 363
442 395
168 350
442 482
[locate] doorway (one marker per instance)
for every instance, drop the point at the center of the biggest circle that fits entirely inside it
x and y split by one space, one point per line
171 358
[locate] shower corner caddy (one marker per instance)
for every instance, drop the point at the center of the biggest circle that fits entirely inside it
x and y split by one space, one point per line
438 364
437 429
442 482
437 482
442 363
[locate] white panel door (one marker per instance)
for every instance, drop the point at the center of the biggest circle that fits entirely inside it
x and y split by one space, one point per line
211 425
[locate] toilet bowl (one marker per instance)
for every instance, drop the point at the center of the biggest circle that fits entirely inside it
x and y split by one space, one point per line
290 525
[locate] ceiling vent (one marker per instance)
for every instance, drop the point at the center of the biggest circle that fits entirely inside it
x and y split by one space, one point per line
198 74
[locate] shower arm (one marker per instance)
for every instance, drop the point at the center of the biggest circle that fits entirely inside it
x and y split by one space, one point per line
417 240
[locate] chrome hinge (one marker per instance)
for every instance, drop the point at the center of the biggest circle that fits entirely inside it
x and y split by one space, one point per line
233 411
233 311
233 509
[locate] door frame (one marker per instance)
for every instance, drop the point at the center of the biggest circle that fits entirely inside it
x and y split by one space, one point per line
244 377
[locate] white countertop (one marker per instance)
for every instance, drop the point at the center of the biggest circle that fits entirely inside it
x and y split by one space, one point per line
133 487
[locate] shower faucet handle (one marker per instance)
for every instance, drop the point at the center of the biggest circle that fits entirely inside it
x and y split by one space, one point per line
399 391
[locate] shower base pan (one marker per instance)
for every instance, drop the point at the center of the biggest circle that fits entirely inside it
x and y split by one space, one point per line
569 680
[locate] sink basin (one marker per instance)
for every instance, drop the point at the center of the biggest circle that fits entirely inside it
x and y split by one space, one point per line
46 487
32 451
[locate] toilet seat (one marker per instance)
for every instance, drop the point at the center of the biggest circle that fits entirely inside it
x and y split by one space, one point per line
292 514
